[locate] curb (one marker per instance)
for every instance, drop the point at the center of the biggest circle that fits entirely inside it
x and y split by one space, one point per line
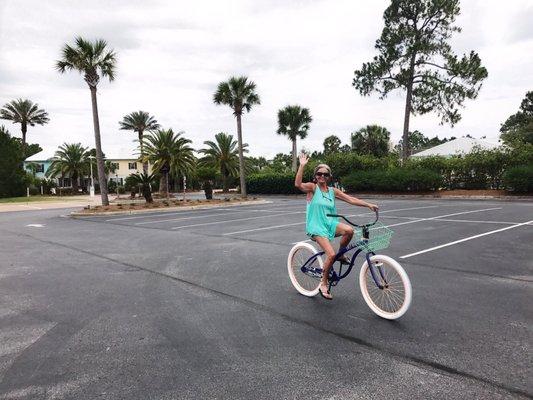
451 197
168 209
419 196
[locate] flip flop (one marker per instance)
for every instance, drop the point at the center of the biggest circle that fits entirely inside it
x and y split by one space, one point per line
324 296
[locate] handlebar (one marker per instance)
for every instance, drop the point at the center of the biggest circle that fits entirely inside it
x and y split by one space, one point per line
351 223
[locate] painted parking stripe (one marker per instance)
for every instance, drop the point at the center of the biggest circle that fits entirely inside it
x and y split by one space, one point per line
466 239
206 216
442 216
238 219
472 221
424 219
301 223
171 212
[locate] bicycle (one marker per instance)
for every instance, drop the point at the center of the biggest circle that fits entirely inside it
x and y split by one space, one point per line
384 284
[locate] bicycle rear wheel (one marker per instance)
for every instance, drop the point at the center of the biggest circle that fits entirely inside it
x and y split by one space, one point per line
394 298
305 276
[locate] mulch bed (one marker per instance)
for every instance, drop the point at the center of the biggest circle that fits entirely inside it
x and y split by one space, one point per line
124 205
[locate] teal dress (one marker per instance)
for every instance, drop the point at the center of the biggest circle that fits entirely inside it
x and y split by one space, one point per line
317 221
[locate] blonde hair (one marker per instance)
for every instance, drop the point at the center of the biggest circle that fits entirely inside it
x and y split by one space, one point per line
321 166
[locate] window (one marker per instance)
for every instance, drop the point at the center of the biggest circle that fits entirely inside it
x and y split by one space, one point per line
114 166
40 168
132 165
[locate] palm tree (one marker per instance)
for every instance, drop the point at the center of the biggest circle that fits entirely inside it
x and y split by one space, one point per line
92 59
24 112
144 181
168 152
222 155
294 121
372 139
70 160
240 95
139 121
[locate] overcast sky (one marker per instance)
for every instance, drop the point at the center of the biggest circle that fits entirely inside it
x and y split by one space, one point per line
172 54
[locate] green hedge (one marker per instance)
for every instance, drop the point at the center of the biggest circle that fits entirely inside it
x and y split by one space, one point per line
480 169
519 179
271 183
398 179
343 164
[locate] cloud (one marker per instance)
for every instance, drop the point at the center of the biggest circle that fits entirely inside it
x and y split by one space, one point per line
172 55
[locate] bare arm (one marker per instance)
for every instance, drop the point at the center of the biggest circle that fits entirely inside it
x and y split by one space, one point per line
353 200
304 187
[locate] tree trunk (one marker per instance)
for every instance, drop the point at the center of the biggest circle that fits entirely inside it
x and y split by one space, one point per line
405 136
225 186
241 157
163 184
74 182
24 129
294 155
145 164
98 145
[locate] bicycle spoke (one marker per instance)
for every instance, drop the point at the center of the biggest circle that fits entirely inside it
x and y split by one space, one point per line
391 298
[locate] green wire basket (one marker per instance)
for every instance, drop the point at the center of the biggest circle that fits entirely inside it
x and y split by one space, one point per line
379 239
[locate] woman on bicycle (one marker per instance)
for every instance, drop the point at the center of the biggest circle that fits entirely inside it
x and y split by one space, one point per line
320 227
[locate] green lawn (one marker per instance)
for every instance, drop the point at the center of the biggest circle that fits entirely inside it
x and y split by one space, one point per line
25 199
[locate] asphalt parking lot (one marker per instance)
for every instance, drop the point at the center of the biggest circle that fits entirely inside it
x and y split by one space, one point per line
198 304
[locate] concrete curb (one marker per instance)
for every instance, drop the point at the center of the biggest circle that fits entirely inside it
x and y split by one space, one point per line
452 197
169 209
420 196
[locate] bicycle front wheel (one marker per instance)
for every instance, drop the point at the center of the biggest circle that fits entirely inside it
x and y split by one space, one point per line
393 299
305 273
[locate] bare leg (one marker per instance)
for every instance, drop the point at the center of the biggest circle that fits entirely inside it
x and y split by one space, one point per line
325 244
346 231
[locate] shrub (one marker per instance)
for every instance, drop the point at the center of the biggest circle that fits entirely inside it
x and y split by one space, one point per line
519 179
271 183
398 179
343 164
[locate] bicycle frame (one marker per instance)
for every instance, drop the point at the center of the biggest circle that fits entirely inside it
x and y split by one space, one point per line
334 278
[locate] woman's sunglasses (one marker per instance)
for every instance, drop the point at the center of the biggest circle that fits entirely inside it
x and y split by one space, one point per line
324 174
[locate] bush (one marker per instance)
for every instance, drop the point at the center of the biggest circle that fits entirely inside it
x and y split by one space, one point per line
111 186
271 183
396 180
343 164
519 179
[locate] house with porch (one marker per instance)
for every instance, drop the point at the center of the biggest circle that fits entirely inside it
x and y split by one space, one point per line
120 167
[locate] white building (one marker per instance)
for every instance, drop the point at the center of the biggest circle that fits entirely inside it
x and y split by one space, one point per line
122 166
459 146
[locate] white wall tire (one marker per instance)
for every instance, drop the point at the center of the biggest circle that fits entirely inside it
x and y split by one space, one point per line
393 301
302 282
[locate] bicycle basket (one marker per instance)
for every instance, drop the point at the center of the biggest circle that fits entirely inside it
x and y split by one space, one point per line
379 239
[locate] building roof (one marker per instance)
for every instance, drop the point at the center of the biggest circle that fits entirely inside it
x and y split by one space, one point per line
114 156
457 146
41 156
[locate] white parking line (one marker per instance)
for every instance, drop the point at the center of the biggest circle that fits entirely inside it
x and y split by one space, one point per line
476 221
238 219
301 223
207 216
466 239
423 219
172 212
442 216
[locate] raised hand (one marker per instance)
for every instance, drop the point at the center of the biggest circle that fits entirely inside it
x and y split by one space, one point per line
303 159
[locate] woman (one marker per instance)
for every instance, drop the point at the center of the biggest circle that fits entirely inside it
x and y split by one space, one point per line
320 227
